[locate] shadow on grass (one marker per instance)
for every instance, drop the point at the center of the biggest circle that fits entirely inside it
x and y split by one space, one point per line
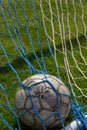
24 127
19 61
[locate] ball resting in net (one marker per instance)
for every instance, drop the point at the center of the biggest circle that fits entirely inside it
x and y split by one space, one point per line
42 98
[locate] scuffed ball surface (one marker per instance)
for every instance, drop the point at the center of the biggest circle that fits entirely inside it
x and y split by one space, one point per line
41 96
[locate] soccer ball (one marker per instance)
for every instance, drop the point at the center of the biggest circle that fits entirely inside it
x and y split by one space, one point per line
42 99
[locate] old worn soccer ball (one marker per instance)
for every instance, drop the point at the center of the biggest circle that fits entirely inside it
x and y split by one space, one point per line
42 99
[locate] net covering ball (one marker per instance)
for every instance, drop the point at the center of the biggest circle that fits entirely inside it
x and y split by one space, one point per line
42 100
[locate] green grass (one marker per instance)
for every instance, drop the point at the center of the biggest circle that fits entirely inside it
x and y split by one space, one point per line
9 79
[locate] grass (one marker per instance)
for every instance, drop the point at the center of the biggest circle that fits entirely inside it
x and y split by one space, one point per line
27 31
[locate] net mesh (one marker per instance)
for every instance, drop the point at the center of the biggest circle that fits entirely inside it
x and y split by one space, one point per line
47 37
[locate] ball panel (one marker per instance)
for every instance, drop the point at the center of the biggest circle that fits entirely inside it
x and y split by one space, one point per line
28 104
36 103
20 98
63 89
28 118
49 97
